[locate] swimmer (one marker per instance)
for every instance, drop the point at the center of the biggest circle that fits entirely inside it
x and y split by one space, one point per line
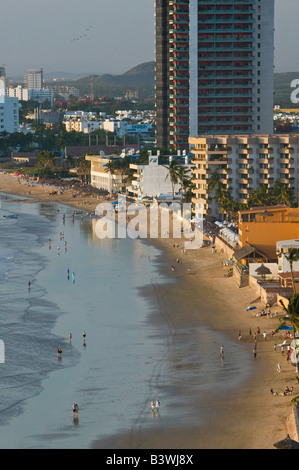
84 336
59 351
157 405
73 277
29 285
70 336
153 405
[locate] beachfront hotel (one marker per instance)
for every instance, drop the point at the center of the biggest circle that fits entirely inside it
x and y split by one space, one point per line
100 175
242 163
214 68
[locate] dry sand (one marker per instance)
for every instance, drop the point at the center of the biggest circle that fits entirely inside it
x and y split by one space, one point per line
250 417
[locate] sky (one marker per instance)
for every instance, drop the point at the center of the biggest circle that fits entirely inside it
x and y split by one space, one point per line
116 35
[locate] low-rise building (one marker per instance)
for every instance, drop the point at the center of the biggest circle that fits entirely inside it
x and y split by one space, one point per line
101 177
152 179
85 126
263 227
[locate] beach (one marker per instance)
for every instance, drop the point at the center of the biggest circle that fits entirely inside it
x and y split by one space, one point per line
245 416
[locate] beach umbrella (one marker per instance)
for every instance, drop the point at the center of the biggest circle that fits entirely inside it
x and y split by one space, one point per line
262 270
287 443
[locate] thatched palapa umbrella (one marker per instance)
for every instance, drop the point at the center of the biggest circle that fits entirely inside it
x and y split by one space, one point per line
263 270
287 443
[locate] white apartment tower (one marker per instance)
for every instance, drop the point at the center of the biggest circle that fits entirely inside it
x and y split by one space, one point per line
214 68
33 79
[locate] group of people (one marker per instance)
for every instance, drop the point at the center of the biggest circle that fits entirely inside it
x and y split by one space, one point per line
155 405
287 391
83 335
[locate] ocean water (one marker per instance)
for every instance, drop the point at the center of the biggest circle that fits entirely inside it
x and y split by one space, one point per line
126 361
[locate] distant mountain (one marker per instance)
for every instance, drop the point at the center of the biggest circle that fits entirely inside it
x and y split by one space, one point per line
140 78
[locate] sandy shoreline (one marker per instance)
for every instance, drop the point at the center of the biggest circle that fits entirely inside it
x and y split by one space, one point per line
250 417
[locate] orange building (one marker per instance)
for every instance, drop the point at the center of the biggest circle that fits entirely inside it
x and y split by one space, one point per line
262 227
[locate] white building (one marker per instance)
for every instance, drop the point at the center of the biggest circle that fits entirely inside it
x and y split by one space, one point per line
121 128
18 92
85 126
100 177
114 125
151 180
282 249
9 114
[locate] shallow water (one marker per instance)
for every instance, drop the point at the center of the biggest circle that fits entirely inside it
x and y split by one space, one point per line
127 361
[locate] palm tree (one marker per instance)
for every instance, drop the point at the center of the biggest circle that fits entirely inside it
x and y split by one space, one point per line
214 182
83 169
183 178
291 317
282 193
110 167
292 256
172 174
45 159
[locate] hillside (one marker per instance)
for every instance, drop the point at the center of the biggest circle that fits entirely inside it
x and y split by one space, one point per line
142 78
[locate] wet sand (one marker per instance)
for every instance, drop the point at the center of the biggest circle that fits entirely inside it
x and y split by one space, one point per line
249 417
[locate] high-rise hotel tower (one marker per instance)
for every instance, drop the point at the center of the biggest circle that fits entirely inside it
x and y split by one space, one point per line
214 68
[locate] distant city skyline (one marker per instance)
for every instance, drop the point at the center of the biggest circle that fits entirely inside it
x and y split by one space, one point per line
105 36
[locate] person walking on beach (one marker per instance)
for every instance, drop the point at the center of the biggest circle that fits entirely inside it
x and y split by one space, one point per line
278 367
75 409
265 335
157 404
275 345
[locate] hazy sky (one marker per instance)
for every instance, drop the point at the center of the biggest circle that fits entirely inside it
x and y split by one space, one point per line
115 35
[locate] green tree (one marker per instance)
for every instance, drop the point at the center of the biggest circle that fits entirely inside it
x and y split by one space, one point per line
83 169
45 160
282 194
